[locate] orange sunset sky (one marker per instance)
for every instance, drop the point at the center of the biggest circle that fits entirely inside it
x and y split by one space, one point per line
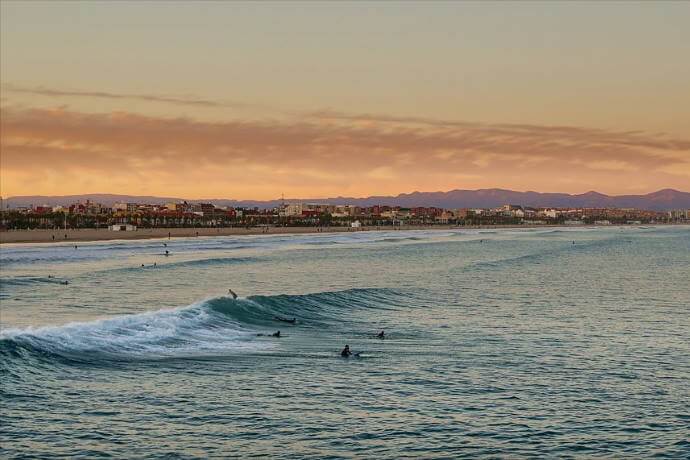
255 100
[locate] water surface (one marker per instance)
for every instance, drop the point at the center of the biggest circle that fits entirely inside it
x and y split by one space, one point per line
511 343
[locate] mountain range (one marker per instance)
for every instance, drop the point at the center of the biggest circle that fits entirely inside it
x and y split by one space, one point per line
661 200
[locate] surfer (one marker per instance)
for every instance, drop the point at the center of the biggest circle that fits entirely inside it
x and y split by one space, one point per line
232 293
285 320
276 334
381 335
64 282
167 253
346 353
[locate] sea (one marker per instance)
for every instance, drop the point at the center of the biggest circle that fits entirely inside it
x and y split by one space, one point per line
498 343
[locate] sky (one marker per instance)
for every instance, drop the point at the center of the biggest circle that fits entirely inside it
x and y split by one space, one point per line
310 100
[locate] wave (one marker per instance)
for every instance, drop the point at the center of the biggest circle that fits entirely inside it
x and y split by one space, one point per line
27 280
563 249
215 326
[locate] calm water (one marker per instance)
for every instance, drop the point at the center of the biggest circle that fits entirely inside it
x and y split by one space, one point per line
499 343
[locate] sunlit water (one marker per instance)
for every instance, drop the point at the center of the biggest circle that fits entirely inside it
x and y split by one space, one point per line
506 343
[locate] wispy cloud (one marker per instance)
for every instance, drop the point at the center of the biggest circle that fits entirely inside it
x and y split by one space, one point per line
326 155
178 100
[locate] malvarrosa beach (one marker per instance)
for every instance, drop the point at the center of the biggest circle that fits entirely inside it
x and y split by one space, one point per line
104 234
61 235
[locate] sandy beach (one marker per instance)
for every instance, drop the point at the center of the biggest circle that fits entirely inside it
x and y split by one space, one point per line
61 236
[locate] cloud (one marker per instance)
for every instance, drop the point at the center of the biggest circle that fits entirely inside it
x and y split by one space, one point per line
178 100
310 156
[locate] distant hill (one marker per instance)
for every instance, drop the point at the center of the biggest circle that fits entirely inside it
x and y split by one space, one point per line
660 201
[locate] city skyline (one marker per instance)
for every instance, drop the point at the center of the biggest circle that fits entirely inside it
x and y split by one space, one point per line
344 100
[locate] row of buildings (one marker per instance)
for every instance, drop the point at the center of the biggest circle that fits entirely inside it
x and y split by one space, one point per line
89 214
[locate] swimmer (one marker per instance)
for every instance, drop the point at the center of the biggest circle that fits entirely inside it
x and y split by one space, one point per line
381 335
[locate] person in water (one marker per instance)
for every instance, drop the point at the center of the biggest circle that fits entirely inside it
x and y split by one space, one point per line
346 353
167 253
276 334
381 335
232 293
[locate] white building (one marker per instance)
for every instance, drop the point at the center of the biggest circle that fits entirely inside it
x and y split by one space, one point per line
122 228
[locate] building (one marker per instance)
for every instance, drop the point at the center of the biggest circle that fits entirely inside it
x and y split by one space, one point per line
122 228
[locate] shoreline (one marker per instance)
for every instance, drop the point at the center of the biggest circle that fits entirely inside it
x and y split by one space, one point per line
85 235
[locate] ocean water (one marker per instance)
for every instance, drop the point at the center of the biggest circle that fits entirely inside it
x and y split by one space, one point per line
504 343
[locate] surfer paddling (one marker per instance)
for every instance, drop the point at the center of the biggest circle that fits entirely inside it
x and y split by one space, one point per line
276 334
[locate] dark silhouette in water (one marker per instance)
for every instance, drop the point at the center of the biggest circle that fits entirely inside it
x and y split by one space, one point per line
346 353
285 320
232 293
381 335
276 334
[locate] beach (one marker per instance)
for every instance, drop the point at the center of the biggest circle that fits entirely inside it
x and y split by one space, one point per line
57 236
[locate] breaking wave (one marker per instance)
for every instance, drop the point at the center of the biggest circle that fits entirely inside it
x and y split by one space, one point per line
215 326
